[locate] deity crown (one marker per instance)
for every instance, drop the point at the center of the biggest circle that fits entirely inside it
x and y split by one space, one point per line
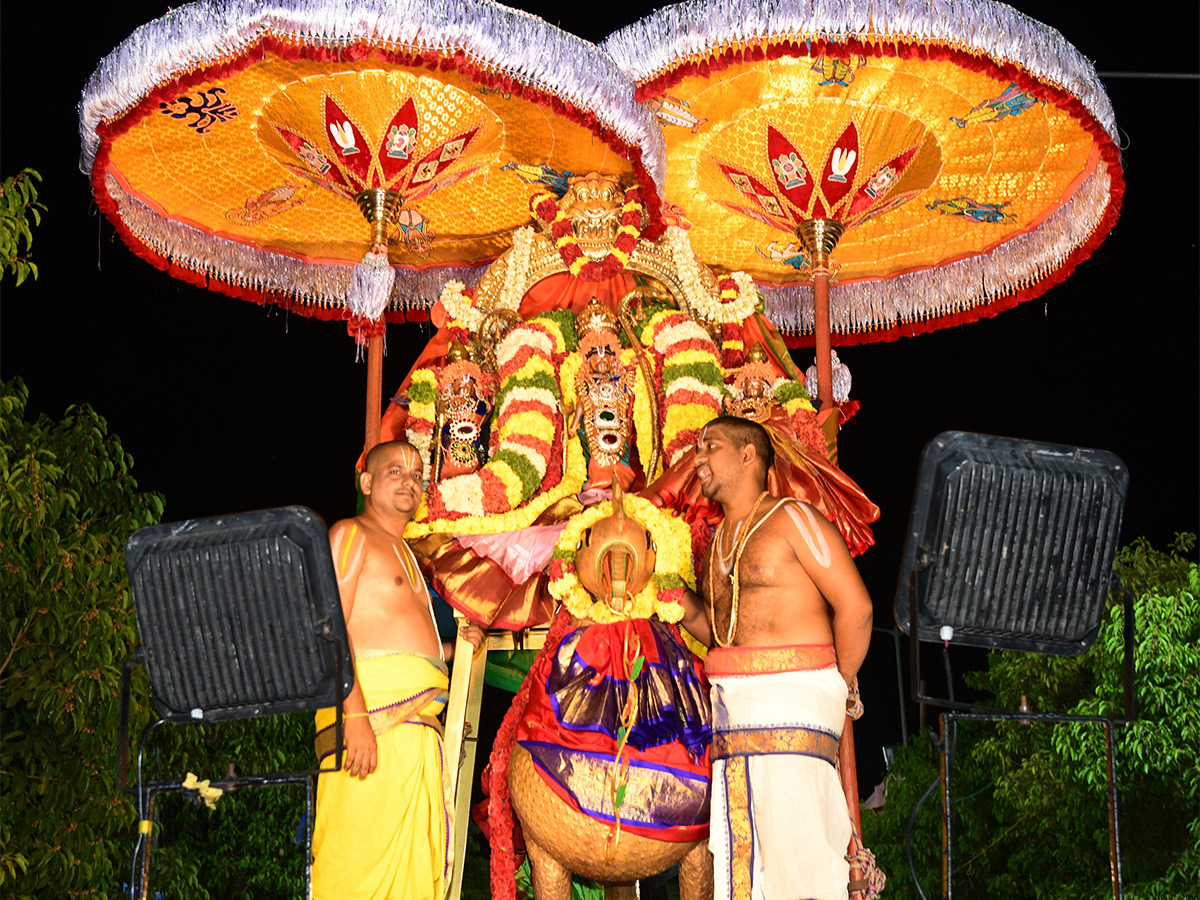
595 318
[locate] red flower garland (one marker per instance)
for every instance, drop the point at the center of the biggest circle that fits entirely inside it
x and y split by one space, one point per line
546 208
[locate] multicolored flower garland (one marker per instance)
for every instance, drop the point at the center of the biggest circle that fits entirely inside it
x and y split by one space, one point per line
672 567
793 397
691 383
545 207
422 414
527 435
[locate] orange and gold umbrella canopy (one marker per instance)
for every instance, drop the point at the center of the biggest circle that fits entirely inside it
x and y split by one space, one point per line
966 164
236 151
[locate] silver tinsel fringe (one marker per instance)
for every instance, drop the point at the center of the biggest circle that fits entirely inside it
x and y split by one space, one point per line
956 287
504 40
658 41
322 286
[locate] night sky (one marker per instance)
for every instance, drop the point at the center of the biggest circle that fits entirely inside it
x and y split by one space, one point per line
228 406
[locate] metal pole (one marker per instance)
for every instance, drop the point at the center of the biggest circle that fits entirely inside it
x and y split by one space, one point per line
947 826
310 812
1114 834
900 687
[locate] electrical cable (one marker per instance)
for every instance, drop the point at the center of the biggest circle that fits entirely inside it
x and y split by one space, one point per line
908 842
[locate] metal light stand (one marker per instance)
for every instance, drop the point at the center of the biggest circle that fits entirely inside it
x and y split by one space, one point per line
240 617
1015 540
145 791
966 712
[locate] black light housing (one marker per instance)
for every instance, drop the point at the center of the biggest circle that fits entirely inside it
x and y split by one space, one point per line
239 615
1011 543
1010 546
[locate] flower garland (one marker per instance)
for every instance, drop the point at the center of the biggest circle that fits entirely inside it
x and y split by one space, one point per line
570 483
643 422
736 298
733 346
793 397
422 398
527 429
460 305
691 383
664 591
545 207
525 475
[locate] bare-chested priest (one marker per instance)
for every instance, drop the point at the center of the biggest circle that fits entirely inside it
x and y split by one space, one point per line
383 823
789 622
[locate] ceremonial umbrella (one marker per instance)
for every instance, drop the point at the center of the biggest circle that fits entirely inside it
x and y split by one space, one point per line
964 154
239 145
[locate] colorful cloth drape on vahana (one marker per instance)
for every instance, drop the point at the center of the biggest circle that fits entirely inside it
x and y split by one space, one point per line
570 729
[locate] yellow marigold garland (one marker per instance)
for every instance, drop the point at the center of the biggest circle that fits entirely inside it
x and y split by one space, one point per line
672 567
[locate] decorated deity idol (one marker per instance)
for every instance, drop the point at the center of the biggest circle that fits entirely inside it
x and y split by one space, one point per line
802 468
603 401
464 404
753 392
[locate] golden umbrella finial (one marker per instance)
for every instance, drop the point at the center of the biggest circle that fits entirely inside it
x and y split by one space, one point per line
380 207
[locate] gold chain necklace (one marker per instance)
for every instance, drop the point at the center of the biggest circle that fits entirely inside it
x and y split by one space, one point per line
740 547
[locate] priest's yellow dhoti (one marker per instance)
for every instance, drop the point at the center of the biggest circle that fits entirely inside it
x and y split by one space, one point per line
388 836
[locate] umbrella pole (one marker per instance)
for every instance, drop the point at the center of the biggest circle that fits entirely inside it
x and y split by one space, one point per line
827 414
819 237
824 343
374 390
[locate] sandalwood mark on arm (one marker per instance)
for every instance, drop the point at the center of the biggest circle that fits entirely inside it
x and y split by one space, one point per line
348 553
810 531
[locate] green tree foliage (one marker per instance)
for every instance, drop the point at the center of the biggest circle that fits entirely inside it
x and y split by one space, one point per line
19 204
67 504
1029 800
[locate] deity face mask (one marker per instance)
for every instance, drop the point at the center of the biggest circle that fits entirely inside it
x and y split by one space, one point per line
593 205
755 402
602 361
